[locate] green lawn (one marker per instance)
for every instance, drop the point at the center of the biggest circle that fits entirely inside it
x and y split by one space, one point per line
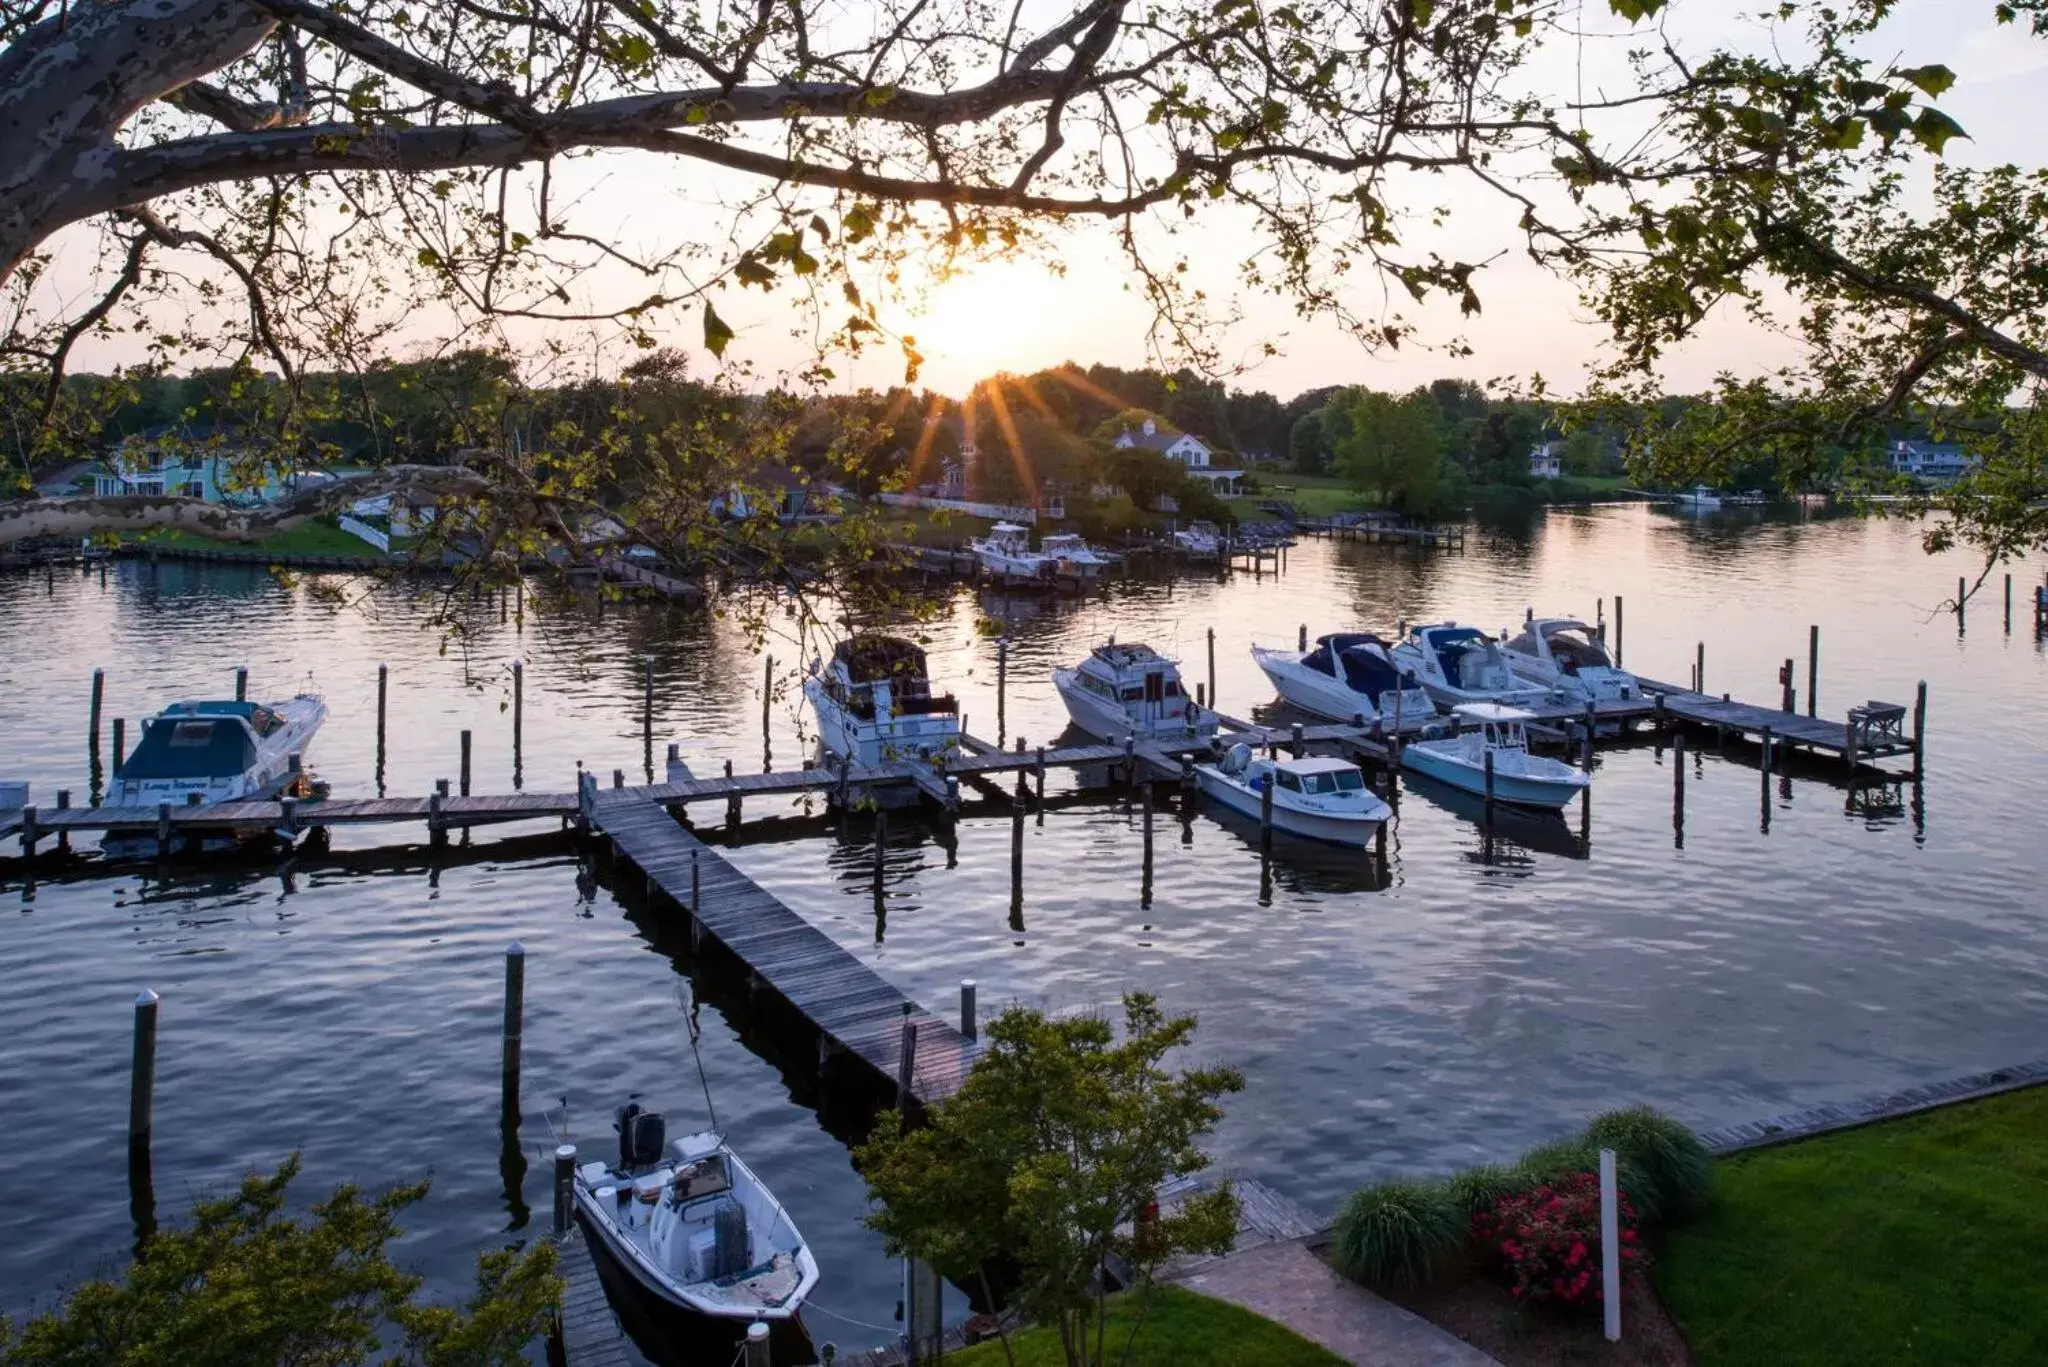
313 537
1313 495
1921 1241
1182 1329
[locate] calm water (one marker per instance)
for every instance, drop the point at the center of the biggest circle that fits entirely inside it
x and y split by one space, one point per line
348 1009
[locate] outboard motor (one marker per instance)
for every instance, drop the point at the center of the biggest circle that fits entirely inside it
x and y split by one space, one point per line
641 1136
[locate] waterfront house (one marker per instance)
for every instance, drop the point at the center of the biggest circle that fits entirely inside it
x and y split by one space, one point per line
1546 459
193 461
1932 461
1188 450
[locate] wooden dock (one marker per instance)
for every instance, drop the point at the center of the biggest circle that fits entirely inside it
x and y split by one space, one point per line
587 1327
1872 732
853 1007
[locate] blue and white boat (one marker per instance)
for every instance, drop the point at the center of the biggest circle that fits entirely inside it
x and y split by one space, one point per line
1462 664
1519 777
198 754
1315 797
1347 676
1569 658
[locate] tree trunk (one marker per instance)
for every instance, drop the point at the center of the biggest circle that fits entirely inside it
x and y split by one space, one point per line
68 84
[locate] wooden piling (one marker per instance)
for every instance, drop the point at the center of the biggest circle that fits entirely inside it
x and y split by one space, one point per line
2008 605
1212 669
1301 637
1812 669
437 830
757 1345
241 683
647 710
1295 740
99 688
1489 788
732 801
1678 786
1145 804
696 886
120 743
1040 771
465 762
565 1188
1017 842
1789 702
518 715
1699 668
1920 731
1002 686
1586 751
142 1069
163 830
383 692
969 1025
29 833
1617 631
767 691
906 1058
515 1024
1962 588
1266 810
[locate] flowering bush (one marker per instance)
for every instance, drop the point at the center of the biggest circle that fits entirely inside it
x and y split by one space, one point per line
1546 1241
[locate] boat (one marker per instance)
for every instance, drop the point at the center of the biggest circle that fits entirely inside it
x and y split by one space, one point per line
1519 777
1348 676
1005 555
1699 499
1570 659
1131 690
1073 557
1199 540
693 1225
1316 797
1457 665
199 753
875 704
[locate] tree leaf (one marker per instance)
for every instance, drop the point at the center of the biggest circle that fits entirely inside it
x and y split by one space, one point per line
1933 129
717 333
1933 80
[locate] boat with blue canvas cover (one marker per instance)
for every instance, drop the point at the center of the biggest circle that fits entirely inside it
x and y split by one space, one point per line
1459 664
1348 676
199 753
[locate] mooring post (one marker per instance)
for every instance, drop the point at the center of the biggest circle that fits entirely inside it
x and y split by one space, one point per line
1617 631
437 829
142 1070
968 1024
163 830
120 743
1699 668
1212 668
1002 685
1017 842
1294 734
2008 605
1678 787
1962 587
99 688
767 691
696 886
906 1058
647 708
1301 637
565 1187
1266 808
757 1347
1920 731
1039 770
1789 702
881 844
515 1016
383 692
1489 787
1767 758
1610 1245
241 683
518 715
1586 752
465 762
1145 803
732 799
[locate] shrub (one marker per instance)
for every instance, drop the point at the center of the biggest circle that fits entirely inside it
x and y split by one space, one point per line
1674 1170
1546 1242
1477 1189
1398 1233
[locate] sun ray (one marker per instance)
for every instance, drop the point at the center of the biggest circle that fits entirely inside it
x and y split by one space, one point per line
934 413
1026 480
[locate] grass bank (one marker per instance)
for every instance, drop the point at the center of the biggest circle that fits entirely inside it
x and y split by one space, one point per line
1922 1240
1181 1329
313 537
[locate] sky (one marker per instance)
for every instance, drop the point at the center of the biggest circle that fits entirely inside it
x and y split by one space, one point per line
1075 301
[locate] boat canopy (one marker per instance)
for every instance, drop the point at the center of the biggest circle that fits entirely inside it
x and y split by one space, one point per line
1359 657
1491 712
191 747
1127 655
260 718
1449 643
873 658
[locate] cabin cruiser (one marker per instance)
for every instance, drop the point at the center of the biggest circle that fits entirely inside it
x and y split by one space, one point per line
1005 555
1073 557
1348 676
195 754
1461 664
1199 540
1518 777
1698 499
692 1224
1315 797
1131 690
875 703
1569 658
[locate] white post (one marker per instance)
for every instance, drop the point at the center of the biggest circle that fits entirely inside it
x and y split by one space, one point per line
1610 1245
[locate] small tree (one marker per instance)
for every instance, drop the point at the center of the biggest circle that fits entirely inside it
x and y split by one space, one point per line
1047 1163
1393 448
247 1285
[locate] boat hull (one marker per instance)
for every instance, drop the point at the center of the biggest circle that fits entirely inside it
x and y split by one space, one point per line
915 736
1460 772
1326 827
1105 722
1313 691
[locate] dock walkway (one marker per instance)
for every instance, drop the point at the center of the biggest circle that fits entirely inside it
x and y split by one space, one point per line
850 1004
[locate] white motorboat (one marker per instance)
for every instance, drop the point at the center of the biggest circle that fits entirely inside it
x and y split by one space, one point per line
197 754
693 1225
1347 676
875 704
1519 777
1131 690
1073 557
1462 664
1698 499
1569 658
1005 555
1199 540
1316 797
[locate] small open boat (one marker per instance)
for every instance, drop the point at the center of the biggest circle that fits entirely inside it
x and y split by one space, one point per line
1315 797
692 1224
1518 777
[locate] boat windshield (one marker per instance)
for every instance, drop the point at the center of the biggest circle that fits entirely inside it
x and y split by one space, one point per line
190 748
1450 644
1367 670
1335 781
1576 648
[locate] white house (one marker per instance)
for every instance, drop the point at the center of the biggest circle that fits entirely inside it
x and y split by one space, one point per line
1935 462
1190 450
1546 460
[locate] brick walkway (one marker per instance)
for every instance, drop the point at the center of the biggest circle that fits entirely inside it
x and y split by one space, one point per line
1288 1284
